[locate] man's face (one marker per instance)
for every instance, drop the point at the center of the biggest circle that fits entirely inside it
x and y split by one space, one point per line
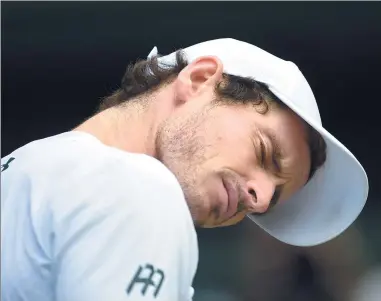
217 153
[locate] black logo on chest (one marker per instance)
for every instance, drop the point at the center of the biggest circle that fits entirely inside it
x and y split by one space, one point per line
147 276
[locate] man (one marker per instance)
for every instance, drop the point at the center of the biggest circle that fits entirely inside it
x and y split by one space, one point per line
203 136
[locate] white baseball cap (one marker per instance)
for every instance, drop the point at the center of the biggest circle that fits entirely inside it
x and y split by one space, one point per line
332 200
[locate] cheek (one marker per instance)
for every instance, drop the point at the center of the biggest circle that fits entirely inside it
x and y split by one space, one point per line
234 153
233 143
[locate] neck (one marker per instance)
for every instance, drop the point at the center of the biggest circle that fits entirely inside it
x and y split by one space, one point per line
131 128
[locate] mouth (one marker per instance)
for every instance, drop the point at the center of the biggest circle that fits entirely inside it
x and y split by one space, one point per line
232 203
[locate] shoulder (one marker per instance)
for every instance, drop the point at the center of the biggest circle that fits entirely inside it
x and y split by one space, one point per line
79 159
73 151
128 209
75 170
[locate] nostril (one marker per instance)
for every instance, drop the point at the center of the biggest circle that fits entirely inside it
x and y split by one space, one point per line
253 194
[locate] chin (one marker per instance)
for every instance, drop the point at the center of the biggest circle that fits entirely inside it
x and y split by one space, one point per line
219 225
230 222
211 223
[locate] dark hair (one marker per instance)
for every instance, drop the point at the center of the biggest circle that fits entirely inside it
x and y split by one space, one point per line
146 76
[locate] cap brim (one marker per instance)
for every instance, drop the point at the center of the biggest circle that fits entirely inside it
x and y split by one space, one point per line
335 196
327 205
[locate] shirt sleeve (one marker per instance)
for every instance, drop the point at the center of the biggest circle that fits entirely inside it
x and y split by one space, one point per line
121 234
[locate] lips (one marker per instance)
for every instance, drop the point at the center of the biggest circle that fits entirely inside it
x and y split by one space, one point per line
232 193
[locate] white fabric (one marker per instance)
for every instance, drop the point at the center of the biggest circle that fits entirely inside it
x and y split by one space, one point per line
79 218
334 198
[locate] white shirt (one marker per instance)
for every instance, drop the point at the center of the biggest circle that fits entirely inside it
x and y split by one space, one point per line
82 221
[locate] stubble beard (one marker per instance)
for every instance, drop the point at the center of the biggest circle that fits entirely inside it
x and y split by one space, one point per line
180 146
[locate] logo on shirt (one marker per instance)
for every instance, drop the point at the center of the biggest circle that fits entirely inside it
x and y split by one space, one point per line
6 164
147 276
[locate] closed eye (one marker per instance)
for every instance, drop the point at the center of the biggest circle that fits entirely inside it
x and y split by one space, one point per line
268 154
276 159
262 153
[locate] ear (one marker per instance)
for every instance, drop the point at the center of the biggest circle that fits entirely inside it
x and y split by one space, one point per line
199 77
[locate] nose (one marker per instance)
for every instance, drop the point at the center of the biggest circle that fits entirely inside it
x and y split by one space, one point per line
261 188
